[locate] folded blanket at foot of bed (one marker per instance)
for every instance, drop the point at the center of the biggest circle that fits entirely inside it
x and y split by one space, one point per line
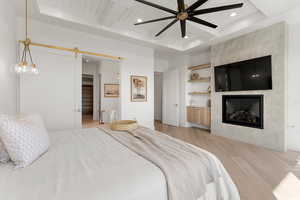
187 169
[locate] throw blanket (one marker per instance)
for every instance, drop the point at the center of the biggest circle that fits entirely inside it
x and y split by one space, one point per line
187 168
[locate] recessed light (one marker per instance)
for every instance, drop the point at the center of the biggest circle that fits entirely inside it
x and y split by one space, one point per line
139 20
233 14
186 37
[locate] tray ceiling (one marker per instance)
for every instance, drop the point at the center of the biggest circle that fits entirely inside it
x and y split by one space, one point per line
119 16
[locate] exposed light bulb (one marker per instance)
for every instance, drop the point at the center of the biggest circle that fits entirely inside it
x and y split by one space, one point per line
24 69
34 70
18 68
233 14
139 20
186 37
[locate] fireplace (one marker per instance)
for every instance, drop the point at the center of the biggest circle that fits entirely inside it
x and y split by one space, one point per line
244 110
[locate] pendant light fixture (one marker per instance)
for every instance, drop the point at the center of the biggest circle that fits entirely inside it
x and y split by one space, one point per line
26 64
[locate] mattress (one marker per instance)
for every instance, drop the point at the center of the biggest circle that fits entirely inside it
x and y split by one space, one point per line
87 164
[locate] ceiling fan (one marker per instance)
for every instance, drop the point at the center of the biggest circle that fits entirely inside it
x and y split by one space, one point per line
188 13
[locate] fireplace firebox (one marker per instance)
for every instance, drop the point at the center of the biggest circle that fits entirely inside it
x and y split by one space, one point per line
244 110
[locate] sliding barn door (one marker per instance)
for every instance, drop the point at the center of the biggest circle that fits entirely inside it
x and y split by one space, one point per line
56 92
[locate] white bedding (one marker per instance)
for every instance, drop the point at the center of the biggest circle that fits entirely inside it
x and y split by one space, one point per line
87 164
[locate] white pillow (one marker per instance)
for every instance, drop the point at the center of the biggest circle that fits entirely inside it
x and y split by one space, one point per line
25 139
4 157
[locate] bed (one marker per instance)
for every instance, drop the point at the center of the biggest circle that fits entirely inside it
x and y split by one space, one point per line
89 164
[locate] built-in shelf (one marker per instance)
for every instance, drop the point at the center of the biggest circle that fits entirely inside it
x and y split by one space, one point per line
198 67
206 79
199 93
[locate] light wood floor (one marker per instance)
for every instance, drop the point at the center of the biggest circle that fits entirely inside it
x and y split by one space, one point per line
88 122
256 171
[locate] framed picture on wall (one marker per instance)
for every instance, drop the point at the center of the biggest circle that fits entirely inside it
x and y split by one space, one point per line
111 90
138 88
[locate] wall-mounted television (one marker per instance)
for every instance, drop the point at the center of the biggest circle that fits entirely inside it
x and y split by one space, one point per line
254 74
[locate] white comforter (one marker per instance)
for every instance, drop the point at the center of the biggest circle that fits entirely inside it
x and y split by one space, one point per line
87 165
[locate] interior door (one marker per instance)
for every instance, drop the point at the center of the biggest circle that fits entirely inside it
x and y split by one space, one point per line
56 92
171 97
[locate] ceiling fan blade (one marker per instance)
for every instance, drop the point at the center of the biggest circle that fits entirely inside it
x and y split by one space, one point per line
168 26
196 5
216 9
180 5
202 22
155 20
183 28
158 7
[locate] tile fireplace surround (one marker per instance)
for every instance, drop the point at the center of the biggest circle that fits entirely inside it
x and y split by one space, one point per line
267 41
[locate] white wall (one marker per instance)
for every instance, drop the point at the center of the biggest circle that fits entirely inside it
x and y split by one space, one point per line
293 87
109 71
161 65
138 61
8 79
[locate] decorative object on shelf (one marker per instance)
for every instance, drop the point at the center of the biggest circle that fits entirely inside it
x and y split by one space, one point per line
111 90
124 125
194 76
209 89
26 64
186 13
138 88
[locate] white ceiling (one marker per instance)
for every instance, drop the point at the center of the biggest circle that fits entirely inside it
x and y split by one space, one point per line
118 16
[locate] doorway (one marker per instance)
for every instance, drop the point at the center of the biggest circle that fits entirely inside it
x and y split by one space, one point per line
171 97
87 98
100 91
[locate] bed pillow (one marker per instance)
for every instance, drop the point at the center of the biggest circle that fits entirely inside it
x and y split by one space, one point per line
25 139
4 157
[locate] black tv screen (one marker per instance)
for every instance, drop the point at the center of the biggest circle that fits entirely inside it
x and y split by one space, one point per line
254 74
